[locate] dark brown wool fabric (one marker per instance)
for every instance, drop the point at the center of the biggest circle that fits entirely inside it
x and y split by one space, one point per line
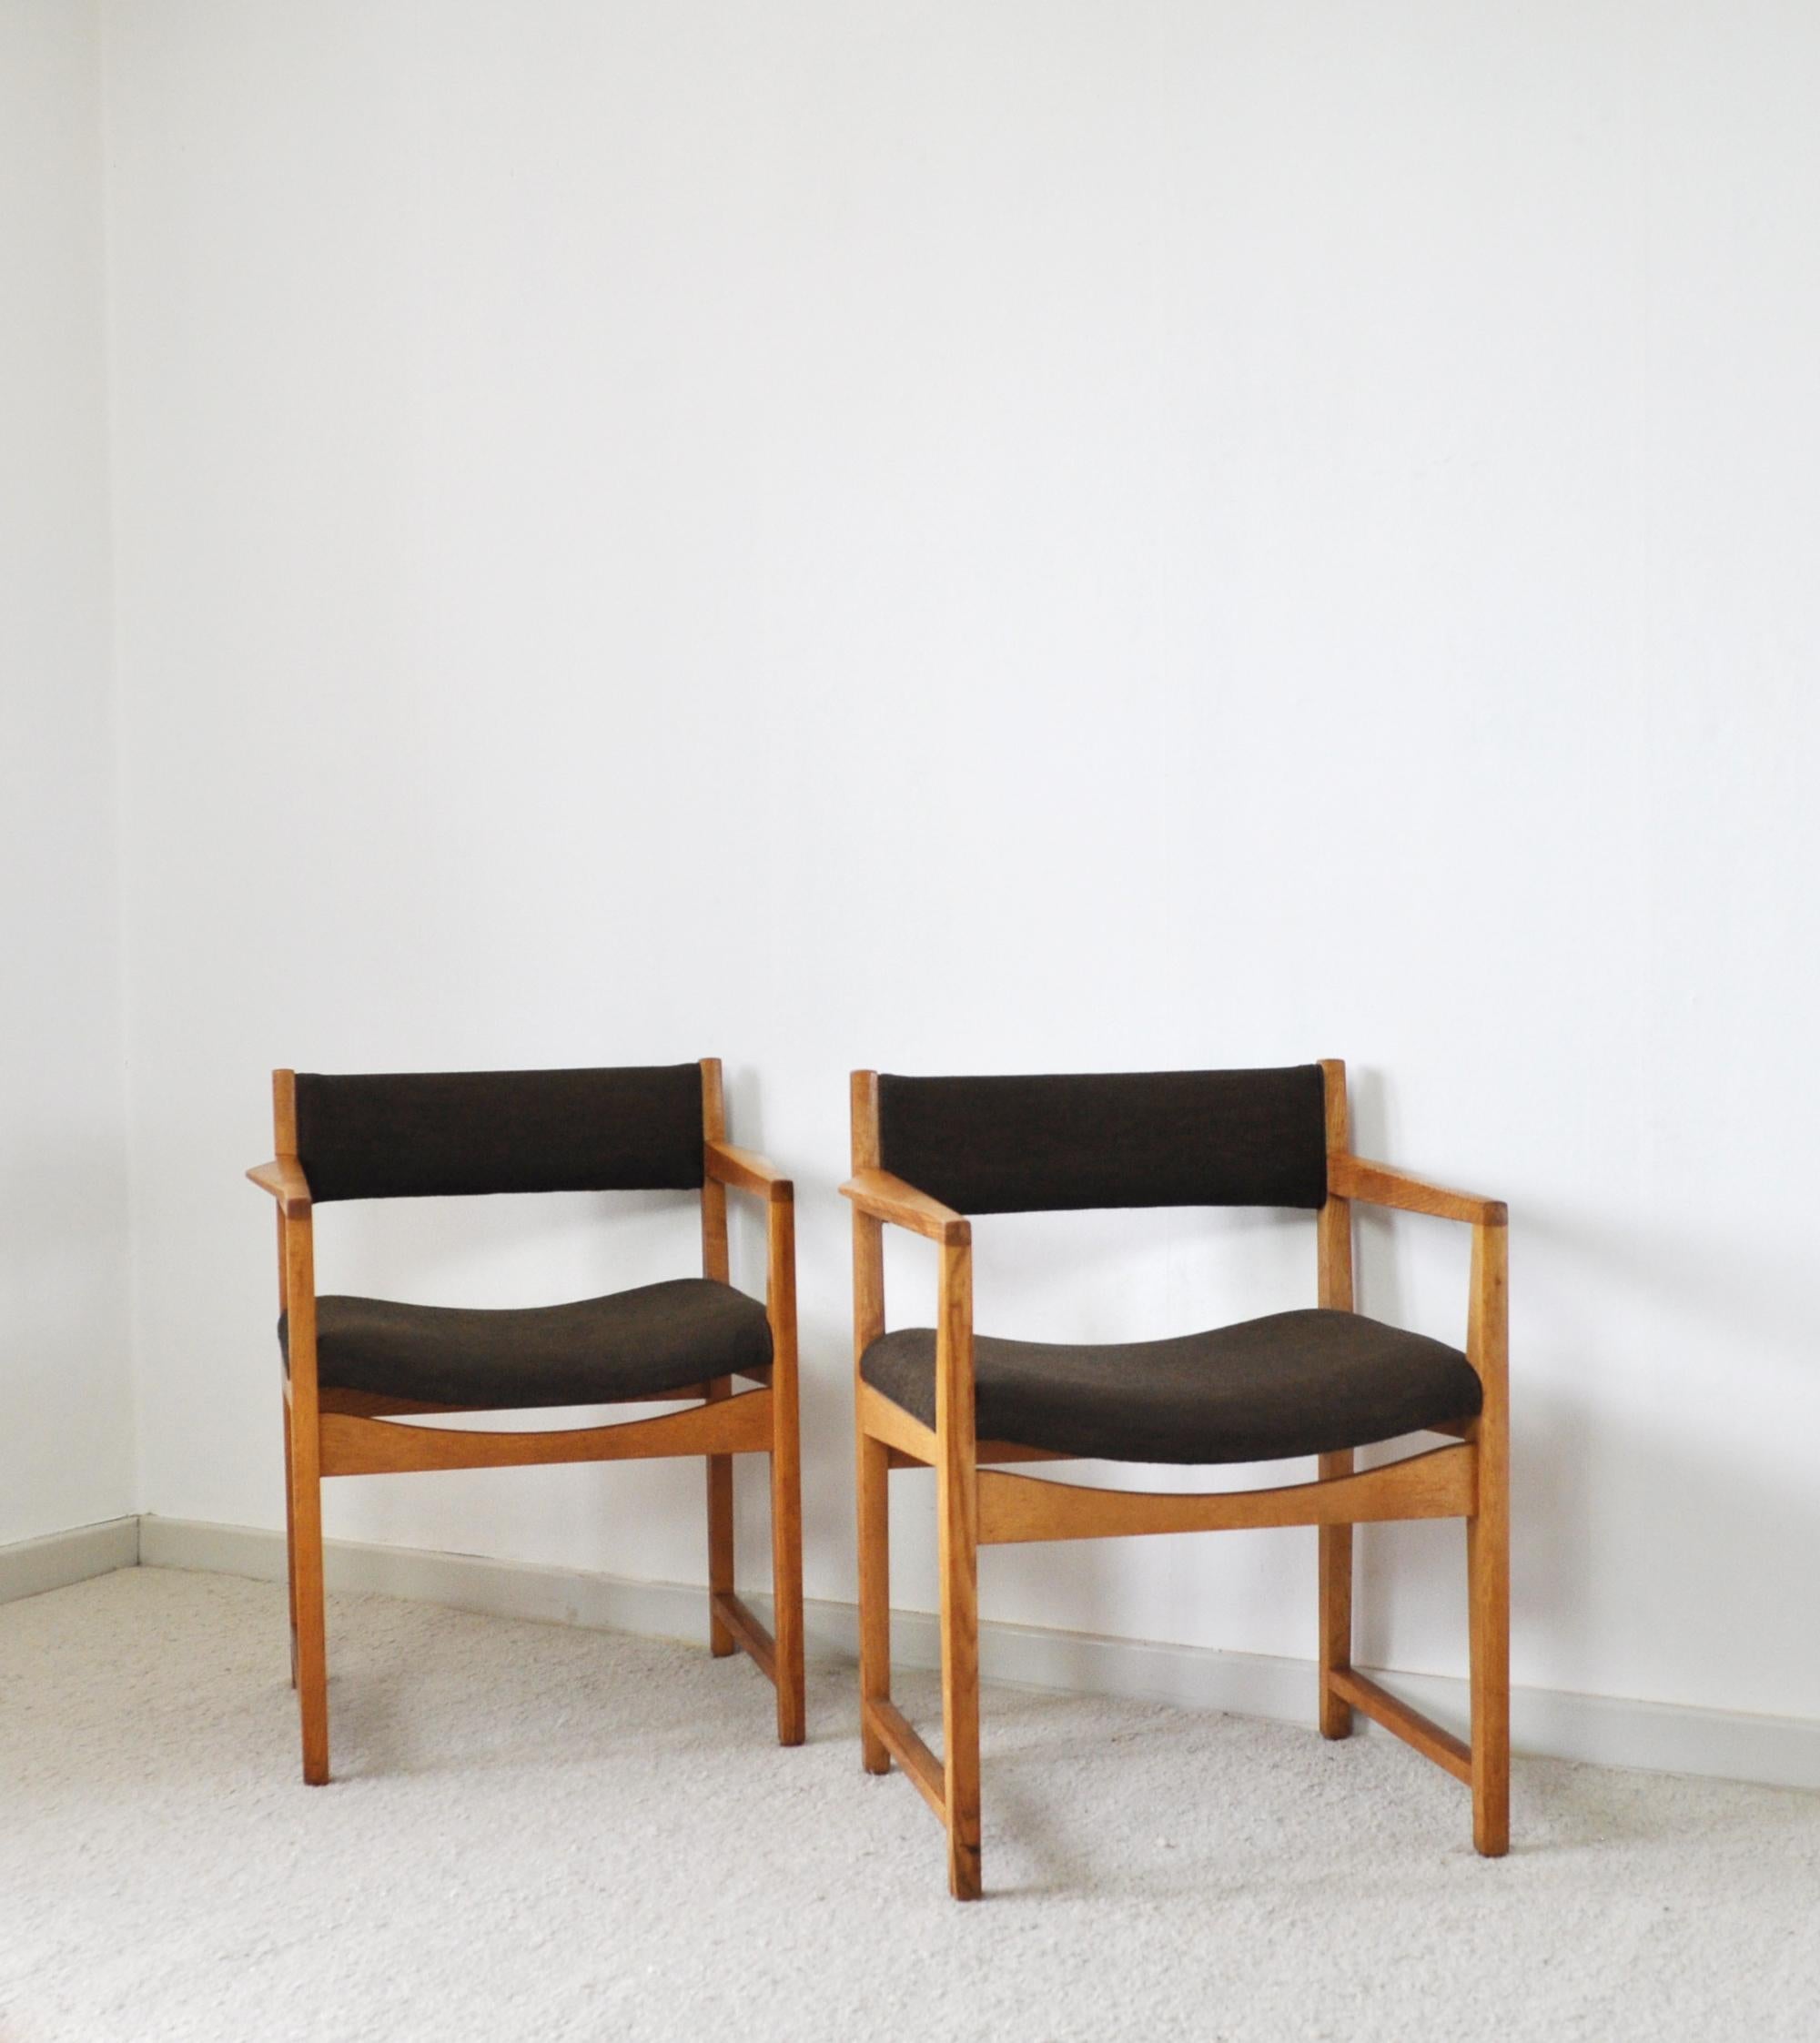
412 1135
632 1345
1306 1382
1026 1145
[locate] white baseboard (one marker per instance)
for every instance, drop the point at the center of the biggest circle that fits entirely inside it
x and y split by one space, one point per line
29 1567
1606 1731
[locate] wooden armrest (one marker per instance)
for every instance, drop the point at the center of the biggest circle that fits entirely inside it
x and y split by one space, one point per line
1378 1184
885 1198
283 1177
744 1170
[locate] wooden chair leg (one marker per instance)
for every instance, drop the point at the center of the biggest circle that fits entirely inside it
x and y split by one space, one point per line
959 1560
290 1543
720 1641
1488 1569
874 1593
786 1574
1336 1608
306 1547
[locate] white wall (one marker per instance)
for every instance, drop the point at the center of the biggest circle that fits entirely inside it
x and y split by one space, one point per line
1007 537
65 1417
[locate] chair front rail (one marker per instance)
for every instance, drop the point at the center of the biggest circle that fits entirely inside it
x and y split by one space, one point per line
373 1404
987 1454
740 1424
1438 1483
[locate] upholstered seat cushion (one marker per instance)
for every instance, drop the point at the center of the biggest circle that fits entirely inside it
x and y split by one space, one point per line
1305 1382
631 1344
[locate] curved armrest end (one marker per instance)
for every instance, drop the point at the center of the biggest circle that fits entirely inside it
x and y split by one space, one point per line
744 1170
882 1197
283 1177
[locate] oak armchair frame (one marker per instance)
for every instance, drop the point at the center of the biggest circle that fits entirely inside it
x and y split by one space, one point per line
977 1504
335 1433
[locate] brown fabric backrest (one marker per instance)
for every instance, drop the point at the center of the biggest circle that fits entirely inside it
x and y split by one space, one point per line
424 1134
1116 1138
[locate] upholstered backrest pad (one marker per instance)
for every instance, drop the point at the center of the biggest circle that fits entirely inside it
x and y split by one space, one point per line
1128 1138
423 1134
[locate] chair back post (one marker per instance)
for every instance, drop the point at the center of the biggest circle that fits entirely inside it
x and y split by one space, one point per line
714 1259
297 1252
284 1148
1334 1225
872 1487
284 1113
303 1449
1334 1544
868 1235
717 1266
1487 1346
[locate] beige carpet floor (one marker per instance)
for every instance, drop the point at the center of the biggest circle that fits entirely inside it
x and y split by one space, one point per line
552 1834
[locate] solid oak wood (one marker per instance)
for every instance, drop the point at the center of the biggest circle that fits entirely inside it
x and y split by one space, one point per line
883 1420
283 1177
990 1453
744 1170
786 1469
374 1404
1017 1508
885 1198
311 1645
721 1556
757 1642
293 1198
724 1427
284 1113
912 1444
727 1167
284 1417
1333 1224
290 1529
875 1595
957 1480
1488 1545
1333 1234
897 1736
716 1266
871 1488
1411 1725
1378 1184
713 1188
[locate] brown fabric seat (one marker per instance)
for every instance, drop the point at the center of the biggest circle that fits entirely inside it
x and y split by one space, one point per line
630 1345
1305 1382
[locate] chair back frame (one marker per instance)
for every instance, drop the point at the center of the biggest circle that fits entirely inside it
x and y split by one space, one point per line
1063 1143
448 1134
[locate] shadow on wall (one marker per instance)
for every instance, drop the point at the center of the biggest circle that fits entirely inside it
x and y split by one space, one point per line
1640 1541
